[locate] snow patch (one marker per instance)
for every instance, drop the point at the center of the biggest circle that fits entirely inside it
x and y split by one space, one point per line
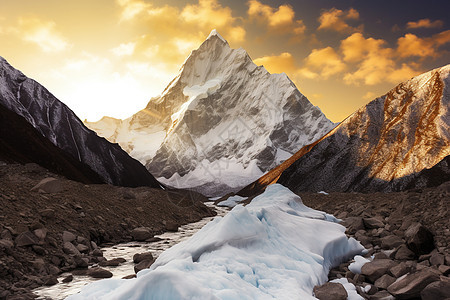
215 33
275 247
232 201
352 294
359 261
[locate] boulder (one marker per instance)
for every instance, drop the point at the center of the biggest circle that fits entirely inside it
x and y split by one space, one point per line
353 224
47 213
83 248
145 264
68 279
41 233
436 290
382 295
70 249
403 253
68 236
445 270
6 244
411 285
81 262
26 238
373 223
377 268
112 262
384 281
141 234
400 269
99 273
138 257
49 185
419 239
50 280
171 226
97 252
390 242
330 291
437 259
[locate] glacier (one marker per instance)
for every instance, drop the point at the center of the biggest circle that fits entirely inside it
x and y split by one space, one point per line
275 247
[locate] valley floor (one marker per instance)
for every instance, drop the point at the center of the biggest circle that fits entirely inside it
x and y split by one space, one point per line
45 231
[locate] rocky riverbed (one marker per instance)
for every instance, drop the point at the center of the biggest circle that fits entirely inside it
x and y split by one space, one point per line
50 225
408 238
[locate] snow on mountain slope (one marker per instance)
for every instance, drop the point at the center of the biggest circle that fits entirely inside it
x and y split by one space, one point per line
227 121
384 146
273 248
55 121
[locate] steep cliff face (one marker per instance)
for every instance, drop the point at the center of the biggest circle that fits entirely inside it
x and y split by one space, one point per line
56 122
383 146
220 124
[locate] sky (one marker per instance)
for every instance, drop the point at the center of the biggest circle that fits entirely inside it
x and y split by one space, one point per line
110 57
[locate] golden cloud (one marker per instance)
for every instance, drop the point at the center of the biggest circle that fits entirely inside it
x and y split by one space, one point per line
336 19
324 62
374 63
42 33
124 49
280 20
412 45
278 63
425 23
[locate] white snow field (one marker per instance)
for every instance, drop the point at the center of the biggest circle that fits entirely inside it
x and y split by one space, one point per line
273 248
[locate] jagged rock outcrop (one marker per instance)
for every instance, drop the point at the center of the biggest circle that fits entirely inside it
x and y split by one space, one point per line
56 122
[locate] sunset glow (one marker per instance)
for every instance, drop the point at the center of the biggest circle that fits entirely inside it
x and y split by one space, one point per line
110 57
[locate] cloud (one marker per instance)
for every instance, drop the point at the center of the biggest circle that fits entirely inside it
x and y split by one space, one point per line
369 96
336 19
412 45
425 23
278 63
42 33
132 8
324 62
373 62
124 49
279 20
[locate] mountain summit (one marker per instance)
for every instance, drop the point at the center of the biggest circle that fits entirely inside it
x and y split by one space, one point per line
221 123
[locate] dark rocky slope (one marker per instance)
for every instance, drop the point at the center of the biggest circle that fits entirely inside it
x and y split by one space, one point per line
57 227
384 146
55 121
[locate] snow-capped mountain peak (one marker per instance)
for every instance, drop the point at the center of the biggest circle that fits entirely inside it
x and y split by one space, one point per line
225 120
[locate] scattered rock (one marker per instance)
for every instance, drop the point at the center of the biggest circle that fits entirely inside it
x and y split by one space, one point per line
129 276
141 234
403 253
436 290
50 280
171 226
26 239
419 239
99 273
445 270
81 262
47 213
353 224
138 257
437 259
68 236
382 295
384 281
49 185
112 262
410 286
83 248
391 242
145 264
97 252
373 223
70 249
40 233
377 268
400 269
38 250
330 291
68 279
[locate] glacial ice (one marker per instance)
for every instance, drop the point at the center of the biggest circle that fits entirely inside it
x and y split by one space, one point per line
275 247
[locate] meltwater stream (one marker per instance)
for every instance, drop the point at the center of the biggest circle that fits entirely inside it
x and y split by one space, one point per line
126 251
